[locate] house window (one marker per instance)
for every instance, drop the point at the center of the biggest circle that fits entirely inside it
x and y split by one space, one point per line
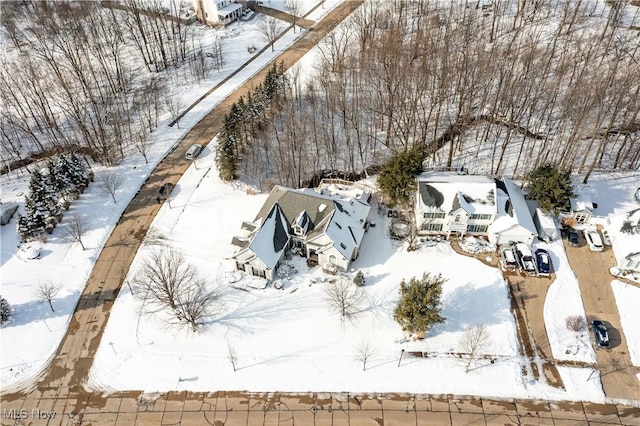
457 219
343 246
259 273
332 260
240 266
477 228
436 215
480 217
432 227
581 218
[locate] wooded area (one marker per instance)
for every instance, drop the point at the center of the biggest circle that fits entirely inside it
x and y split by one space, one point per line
460 84
81 76
494 86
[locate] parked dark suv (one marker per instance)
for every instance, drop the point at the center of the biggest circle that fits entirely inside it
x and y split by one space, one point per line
573 237
600 333
164 192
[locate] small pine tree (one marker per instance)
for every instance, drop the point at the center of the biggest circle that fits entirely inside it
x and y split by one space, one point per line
5 310
419 306
551 187
359 279
43 194
33 223
397 180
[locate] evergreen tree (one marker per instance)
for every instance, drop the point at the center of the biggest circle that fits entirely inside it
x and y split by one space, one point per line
5 310
419 306
551 187
397 180
359 279
33 223
77 171
43 194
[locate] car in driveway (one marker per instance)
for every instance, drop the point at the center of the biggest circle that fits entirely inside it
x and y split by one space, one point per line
573 237
600 333
508 259
593 240
544 262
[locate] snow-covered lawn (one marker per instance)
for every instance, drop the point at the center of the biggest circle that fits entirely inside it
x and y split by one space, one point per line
290 340
63 262
628 299
564 300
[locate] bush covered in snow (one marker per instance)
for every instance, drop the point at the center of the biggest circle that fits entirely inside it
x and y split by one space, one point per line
5 310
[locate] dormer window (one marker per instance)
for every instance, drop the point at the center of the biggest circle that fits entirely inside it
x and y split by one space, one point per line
298 230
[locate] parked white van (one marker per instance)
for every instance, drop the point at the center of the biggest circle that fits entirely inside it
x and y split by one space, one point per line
193 152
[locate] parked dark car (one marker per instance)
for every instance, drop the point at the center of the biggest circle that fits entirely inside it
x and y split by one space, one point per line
573 237
543 261
600 333
164 192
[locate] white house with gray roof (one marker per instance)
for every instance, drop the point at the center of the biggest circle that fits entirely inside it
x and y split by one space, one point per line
452 203
325 227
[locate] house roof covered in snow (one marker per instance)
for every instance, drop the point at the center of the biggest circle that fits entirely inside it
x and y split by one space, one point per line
517 206
336 217
272 238
581 202
450 191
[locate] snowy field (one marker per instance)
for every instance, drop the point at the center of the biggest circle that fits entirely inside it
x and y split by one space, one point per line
628 299
290 340
62 262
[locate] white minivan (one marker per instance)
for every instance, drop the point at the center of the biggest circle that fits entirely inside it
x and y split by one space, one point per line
193 152
593 240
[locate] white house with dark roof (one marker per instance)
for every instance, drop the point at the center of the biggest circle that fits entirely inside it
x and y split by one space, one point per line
451 203
217 12
325 227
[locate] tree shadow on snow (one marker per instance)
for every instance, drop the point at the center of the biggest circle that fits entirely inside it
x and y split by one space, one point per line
36 310
467 305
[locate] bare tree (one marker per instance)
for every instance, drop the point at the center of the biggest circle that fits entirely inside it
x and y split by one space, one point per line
142 144
474 340
109 183
295 9
174 105
46 292
197 303
166 282
344 297
76 227
270 28
232 356
576 323
364 352
162 277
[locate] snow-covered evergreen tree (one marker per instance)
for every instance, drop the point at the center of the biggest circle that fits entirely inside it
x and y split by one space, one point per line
359 279
5 310
77 170
43 194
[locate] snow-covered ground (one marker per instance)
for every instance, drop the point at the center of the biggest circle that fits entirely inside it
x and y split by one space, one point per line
563 298
284 339
290 340
628 299
62 262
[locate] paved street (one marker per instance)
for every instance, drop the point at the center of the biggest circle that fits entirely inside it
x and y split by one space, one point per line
237 408
592 269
